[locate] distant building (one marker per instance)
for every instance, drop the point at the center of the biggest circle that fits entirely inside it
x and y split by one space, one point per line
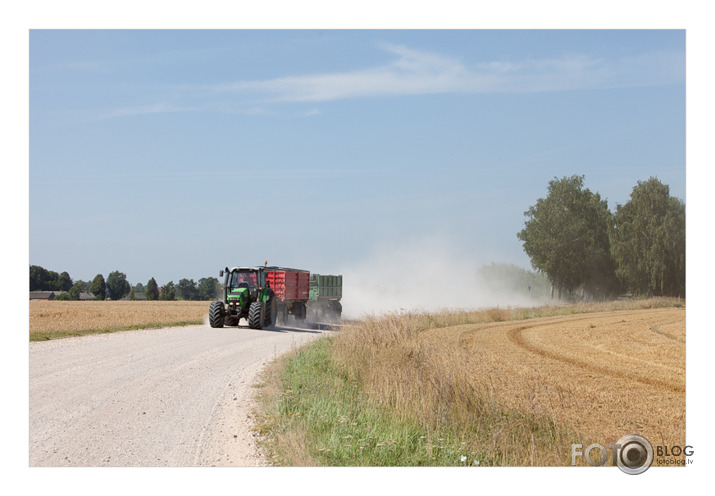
43 295
50 295
137 296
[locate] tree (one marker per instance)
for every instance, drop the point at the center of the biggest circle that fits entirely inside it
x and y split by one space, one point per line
39 278
168 292
117 285
139 288
187 289
98 287
42 279
208 288
76 289
566 238
648 241
152 290
64 282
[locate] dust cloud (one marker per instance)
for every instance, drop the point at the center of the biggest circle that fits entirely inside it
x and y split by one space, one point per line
428 276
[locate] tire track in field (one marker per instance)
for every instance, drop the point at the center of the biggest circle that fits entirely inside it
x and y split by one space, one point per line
657 329
515 335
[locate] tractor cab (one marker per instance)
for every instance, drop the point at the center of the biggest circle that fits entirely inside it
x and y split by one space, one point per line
242 285
243 279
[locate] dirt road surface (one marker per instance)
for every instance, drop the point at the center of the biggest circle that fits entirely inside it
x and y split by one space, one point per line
159 397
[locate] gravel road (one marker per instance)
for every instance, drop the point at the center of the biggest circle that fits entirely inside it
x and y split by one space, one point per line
158 397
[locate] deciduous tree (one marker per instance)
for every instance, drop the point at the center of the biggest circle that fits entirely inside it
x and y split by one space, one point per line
209 288
98 287
64 282
187 289
152 290
76 289
566 238
168 291
42 279
117 285
648 241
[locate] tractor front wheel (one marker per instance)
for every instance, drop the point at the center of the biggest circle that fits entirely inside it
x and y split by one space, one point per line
216 314
255 314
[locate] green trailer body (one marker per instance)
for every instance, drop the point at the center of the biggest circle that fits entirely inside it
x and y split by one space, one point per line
324 287
324 299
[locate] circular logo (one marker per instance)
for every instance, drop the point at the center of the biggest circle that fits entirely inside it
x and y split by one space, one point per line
635 455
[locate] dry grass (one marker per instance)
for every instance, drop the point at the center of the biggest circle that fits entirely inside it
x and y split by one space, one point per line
55 319
598 375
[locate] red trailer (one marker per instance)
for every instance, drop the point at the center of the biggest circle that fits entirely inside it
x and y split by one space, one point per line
289 284
292 286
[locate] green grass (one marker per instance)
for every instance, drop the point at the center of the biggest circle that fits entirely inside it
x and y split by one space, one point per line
46 336
320 416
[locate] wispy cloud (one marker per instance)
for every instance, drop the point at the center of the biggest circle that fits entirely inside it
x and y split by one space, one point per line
415 72
134 110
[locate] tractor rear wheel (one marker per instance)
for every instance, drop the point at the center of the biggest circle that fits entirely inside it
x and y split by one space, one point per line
270 313
255 314
216 314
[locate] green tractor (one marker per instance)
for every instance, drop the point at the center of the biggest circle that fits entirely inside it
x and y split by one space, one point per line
246 295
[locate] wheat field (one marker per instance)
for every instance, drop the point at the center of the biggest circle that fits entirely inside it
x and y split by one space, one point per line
50 319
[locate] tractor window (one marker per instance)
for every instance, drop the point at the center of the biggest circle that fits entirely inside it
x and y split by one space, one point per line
248 278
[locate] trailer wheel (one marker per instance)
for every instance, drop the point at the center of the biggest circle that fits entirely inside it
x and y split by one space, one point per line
216 314
231 320
255 314
337 308
281 314
299 311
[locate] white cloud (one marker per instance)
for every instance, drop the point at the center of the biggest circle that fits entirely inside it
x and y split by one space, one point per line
157 108
416 72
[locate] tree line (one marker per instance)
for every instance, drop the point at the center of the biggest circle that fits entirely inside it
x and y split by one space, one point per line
116 286
582 247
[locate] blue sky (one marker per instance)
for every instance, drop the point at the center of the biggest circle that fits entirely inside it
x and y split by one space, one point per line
171 154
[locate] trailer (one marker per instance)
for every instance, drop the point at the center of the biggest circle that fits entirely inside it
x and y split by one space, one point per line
326 291
292 287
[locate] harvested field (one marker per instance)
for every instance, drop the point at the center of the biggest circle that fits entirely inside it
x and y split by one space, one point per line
599 375
606 375
54 319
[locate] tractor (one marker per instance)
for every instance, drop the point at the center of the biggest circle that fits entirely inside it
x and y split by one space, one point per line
247 294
